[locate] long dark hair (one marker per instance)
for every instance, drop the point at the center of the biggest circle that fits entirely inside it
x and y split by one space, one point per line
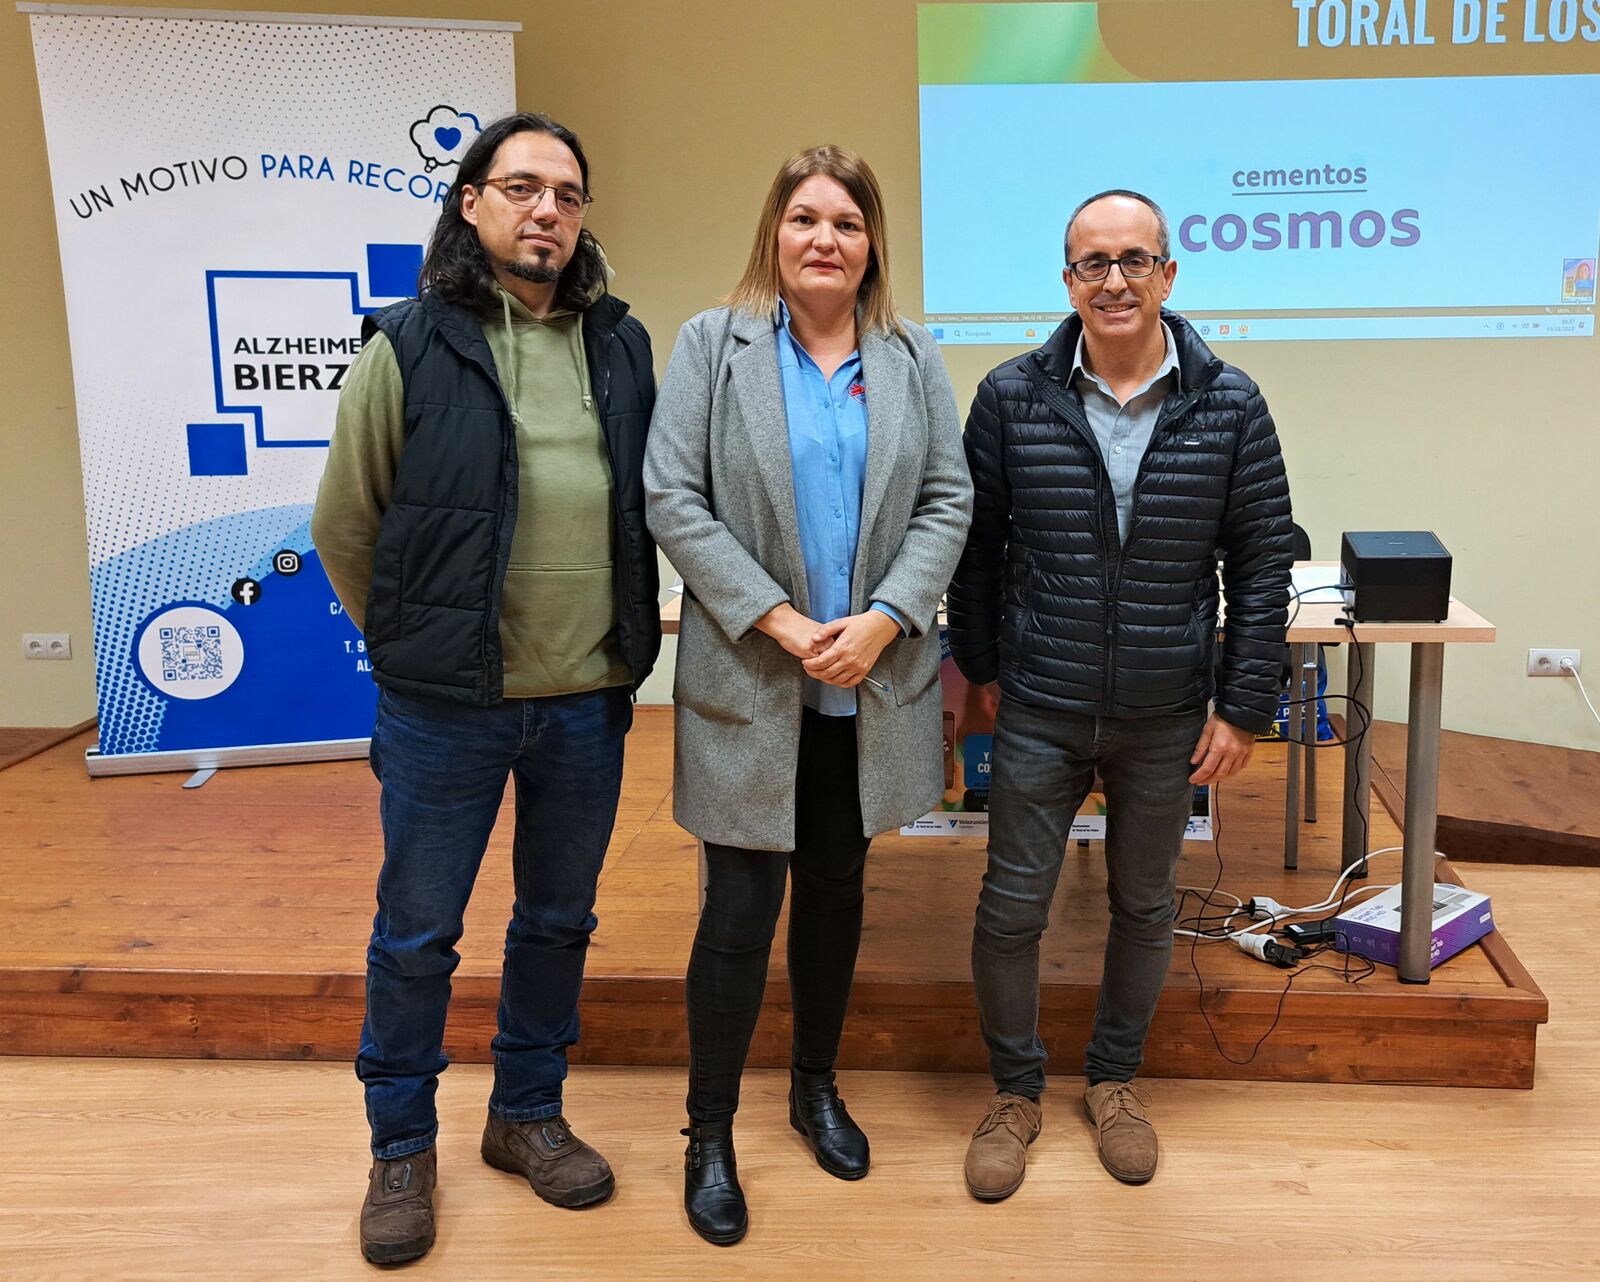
456 268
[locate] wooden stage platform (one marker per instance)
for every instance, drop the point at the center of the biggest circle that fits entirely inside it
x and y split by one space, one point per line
1502 801
231 921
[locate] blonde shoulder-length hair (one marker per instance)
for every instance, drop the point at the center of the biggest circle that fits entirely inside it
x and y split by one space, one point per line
758 289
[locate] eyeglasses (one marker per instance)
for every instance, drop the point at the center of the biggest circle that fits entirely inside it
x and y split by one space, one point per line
530 192
1132 266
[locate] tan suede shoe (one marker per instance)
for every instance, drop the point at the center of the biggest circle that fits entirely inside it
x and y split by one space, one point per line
558 1166
997 1158
1127 1141
397 1214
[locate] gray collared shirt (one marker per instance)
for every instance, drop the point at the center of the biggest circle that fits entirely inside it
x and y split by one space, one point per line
1124 430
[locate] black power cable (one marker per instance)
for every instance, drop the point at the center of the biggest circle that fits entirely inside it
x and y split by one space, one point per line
1345 971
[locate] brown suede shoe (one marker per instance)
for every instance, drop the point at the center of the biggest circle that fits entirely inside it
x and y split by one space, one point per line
397 1215
558 1166
1127 1141
997 1158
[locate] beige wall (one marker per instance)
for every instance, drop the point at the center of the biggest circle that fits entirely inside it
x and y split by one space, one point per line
686 110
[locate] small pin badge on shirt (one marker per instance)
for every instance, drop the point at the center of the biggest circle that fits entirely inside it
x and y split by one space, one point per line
858 391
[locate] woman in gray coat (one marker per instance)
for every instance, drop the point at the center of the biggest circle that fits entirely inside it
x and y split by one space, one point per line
805 476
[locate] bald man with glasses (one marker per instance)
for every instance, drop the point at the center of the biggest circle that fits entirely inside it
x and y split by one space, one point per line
1112 466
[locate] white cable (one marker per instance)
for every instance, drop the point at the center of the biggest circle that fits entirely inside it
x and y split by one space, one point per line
1271 922
1333 895
1569 666
1201 894
1280 912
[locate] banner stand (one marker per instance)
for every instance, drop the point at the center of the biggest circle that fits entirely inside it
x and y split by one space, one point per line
234 193
101 766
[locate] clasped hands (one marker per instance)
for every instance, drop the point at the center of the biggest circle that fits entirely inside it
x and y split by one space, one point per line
841 652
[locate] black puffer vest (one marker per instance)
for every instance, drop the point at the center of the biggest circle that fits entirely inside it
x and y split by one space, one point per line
1050 601
439 565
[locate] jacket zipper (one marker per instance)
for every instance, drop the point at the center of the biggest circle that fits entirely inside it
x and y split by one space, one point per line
1105 502
1057 400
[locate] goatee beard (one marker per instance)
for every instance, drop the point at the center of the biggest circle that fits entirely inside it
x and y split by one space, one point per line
533 273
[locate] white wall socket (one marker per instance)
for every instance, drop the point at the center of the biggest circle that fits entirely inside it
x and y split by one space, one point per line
47 645
1547 663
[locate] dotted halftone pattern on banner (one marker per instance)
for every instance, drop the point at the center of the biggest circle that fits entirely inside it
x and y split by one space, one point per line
203 82
132 585
163 89
136 483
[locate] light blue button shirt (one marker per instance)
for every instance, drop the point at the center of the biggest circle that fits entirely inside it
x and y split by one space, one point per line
1124 428
828 453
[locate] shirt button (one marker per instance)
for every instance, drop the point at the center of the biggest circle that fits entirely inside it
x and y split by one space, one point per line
837 512
1118 450
833 458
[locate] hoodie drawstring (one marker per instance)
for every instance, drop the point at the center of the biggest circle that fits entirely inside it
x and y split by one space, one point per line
574 343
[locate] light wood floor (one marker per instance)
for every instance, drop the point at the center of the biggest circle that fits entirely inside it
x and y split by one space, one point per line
185 1169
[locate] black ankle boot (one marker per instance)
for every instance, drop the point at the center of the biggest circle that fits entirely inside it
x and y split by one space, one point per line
817 1112
711 1192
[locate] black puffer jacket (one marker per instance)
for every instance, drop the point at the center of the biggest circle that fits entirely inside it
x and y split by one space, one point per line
1046 598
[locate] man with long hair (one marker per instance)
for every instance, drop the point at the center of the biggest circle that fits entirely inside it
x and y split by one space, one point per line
482 520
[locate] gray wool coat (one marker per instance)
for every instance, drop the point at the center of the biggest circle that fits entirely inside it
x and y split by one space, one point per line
720 501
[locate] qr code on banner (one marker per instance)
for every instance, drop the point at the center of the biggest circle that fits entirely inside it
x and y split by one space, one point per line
191 654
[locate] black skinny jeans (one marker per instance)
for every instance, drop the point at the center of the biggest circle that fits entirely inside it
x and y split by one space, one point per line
744 894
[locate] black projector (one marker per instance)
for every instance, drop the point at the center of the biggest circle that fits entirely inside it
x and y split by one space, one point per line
1395 576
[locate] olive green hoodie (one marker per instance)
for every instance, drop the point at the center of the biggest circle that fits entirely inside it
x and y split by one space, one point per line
557 614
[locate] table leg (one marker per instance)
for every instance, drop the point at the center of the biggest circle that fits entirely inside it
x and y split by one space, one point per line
1422 812
1293 724
1308 691
1357 755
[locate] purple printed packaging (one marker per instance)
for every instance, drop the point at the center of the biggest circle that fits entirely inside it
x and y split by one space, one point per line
1372 928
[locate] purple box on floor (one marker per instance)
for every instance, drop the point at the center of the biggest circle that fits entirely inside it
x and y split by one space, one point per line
1372 928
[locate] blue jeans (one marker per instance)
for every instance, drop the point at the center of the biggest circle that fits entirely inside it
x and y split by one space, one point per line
1044 766
443 768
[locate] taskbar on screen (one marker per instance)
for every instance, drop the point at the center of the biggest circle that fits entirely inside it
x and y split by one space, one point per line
978 331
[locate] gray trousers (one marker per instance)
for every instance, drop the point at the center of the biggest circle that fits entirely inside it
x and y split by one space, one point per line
1044 765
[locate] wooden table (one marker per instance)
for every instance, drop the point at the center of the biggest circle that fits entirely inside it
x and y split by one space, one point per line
1319 624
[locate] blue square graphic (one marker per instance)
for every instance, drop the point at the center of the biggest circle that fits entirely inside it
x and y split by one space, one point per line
217 449
392 270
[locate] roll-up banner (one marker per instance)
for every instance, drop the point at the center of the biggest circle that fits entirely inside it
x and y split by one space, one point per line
233 193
